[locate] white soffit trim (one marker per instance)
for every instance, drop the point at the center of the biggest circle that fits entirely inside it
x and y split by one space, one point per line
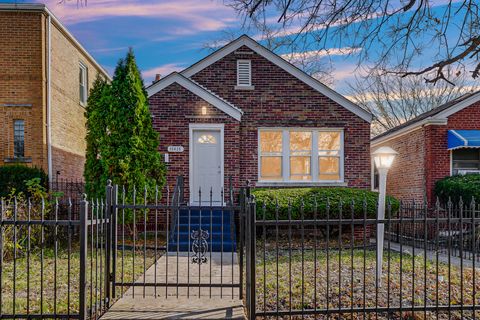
280 62
440 118
414 126
459 106
198 90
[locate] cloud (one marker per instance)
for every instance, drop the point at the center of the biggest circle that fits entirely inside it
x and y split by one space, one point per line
315 54
191 16
163 70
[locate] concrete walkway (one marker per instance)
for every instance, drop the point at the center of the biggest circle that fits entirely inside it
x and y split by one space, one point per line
184 302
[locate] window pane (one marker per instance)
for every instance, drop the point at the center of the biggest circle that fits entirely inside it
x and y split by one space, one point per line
18 138
271 141
300 168
329 168
271 168
329 140
207 138
465 154
300 141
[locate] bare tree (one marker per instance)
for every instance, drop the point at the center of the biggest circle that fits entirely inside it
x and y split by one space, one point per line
394 100
393 34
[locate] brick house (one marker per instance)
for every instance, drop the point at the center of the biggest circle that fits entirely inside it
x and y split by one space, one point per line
436 144
245 113
45 75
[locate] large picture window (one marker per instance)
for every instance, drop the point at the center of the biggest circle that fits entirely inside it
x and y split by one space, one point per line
301 155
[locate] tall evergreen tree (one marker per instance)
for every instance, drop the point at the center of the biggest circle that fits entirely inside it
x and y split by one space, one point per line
96 115
130 150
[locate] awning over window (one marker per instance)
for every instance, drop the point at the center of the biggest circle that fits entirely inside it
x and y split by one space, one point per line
463 139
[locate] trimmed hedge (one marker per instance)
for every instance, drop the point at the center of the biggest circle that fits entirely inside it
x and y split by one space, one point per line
294 197
14 177
465 186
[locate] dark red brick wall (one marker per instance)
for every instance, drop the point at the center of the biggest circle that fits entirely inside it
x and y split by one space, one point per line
278 100
424 158
406 177
438 157
173 109
281 100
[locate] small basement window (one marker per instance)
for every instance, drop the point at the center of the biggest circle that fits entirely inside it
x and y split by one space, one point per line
244 74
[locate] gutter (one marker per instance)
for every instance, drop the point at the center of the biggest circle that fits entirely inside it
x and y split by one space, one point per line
49 98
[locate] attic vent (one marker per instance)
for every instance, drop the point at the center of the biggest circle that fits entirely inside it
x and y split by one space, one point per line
244 73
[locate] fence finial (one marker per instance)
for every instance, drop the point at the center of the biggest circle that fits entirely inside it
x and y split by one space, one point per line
109 182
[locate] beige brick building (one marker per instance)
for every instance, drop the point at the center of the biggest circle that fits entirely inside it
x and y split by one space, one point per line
45 75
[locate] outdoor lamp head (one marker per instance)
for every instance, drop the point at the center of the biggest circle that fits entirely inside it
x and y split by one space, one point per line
384 157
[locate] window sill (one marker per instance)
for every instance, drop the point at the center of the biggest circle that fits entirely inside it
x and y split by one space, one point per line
300 184
17 160
244 87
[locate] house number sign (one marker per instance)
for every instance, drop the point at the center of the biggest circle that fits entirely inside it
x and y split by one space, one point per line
175 149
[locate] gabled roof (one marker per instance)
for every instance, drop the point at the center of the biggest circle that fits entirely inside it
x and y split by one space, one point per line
245 40
437 115
199 91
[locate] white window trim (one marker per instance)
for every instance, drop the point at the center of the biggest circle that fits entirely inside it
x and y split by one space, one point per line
314 158
241 86
84 69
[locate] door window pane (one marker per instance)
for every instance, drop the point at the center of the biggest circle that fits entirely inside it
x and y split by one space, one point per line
207 138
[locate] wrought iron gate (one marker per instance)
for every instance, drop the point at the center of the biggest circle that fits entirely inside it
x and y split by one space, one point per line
196 252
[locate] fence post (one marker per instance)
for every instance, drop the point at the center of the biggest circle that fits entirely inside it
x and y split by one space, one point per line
83 258
108 242
241 236
114 237
252 245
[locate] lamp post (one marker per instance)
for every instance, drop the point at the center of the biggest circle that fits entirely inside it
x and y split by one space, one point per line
383 158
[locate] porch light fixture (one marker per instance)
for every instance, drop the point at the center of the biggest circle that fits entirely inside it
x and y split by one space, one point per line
383 158
204 111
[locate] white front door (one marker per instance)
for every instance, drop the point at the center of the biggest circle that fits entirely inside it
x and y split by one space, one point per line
207 167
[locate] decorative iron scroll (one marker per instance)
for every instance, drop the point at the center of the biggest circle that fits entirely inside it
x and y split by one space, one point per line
199 246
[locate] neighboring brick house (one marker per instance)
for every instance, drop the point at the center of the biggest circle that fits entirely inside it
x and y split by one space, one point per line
436 144
45 75
244 112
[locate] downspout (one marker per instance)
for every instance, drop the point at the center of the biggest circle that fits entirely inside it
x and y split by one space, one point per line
49 100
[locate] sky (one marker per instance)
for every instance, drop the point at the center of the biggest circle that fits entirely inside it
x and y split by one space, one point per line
167 35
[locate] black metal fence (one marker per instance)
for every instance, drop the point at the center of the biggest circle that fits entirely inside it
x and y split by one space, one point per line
329 267
77 265
52 266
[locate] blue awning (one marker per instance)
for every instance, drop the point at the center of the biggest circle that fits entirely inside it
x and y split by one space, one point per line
463 139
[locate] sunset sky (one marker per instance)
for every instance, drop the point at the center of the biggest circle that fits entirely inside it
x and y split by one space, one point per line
166 35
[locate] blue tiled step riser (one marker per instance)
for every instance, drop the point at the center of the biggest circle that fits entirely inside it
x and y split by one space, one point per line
212 221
